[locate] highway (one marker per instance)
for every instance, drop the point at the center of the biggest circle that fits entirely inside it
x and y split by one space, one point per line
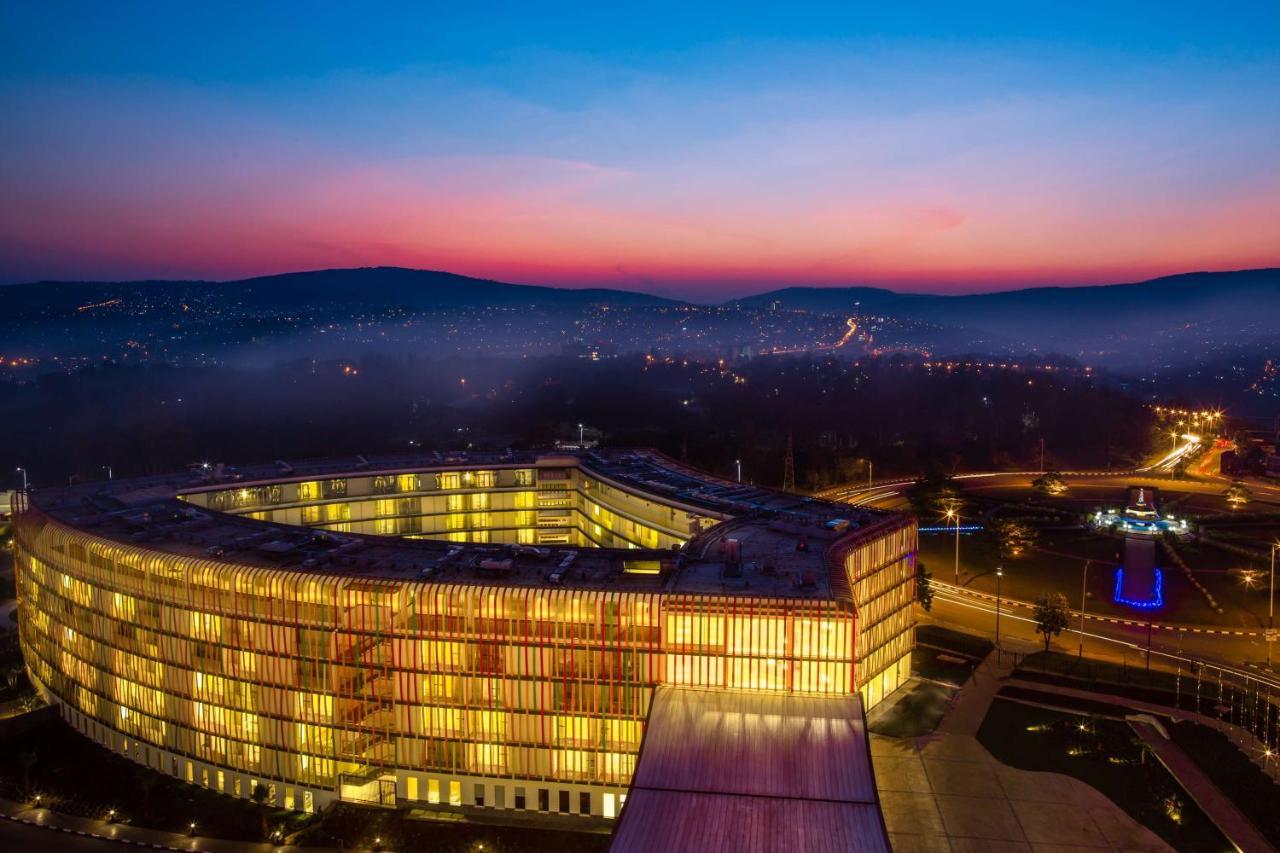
1203 479
1104 637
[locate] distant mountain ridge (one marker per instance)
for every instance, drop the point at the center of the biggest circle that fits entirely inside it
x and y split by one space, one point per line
1182 288
363 287
1073 319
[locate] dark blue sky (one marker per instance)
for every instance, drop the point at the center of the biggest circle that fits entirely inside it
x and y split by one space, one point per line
698 151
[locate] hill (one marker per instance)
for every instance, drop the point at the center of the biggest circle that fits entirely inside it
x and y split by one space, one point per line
367 287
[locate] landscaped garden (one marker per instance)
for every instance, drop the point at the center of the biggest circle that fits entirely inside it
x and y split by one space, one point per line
1107 755
1241 780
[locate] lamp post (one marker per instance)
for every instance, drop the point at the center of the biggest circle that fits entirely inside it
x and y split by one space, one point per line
23 472
581 433
738 463
107 468
999 575
1084 596
870 468
952 513
1271 603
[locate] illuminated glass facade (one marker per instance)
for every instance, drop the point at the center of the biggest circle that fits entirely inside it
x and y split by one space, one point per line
387 690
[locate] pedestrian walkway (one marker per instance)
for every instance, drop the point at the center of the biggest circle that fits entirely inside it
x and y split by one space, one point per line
974 700
1224 814
945 792
42 820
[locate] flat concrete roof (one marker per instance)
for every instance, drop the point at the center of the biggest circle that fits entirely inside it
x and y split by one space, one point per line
783 538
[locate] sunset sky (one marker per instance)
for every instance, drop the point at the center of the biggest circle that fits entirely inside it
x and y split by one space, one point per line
702 154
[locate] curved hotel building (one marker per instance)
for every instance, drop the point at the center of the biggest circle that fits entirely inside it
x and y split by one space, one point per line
462 631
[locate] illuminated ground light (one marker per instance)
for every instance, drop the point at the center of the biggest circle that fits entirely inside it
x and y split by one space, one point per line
1154 603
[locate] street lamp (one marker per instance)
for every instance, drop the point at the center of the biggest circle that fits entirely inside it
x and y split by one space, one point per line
953 513
23 472
738 462
999 575
870 468
580 435
1271 603
107 468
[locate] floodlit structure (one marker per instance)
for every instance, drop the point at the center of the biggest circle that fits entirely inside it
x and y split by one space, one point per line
470 631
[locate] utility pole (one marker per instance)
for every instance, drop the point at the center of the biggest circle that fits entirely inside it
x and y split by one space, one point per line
1084 596
1148 645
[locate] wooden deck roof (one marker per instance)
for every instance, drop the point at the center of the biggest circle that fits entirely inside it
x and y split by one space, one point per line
733 771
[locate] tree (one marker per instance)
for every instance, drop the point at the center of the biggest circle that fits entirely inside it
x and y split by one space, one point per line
1015 537
1238 494
1049 484
933 494
924 587
27 757
146 779
259 796
1052 614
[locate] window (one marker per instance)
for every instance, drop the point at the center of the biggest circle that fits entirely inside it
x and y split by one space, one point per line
544 800
309 491
518 800
433 790
584 803
609 806
564 802
479 794
411 788
455 793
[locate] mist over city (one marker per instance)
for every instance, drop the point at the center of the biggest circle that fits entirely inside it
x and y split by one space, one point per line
592 429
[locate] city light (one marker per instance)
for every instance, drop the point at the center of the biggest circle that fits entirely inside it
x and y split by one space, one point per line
1154 603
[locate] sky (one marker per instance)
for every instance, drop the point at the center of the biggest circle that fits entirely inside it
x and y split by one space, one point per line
703 152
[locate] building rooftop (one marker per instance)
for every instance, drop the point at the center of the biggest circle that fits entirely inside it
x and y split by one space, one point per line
730 770
782 539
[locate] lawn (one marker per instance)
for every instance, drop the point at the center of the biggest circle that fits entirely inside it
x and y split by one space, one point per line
916 710
955 642
1242 781
1107 755
1226 701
